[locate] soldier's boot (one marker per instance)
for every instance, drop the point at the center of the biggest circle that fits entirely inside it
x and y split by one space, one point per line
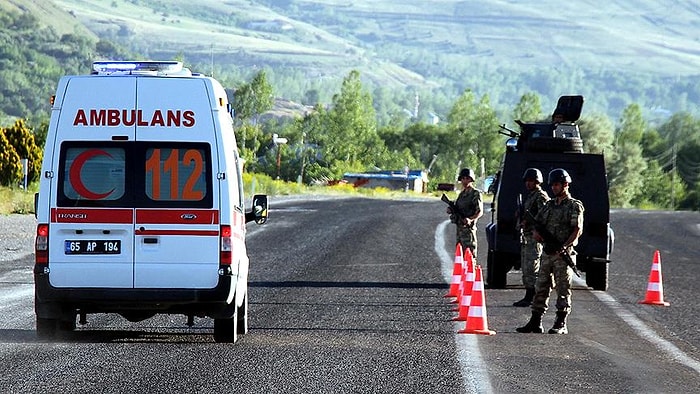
559 326
527 300
534 325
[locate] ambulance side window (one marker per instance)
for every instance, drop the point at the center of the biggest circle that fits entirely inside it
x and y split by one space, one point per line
92 174
240 202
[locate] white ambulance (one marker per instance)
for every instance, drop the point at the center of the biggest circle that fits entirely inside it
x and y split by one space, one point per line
140 209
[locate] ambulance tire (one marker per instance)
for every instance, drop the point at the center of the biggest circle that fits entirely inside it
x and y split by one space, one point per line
226 329
67 325
46 328
242 313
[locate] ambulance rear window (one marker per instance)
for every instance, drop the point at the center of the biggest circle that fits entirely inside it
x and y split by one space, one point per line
135 174
174 174
93 175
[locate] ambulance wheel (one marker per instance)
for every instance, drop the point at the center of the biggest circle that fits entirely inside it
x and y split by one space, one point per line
67 324
46 328
242 313
226 329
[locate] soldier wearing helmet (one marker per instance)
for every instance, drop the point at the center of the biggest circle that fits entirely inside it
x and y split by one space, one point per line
530 249
471 207
562 218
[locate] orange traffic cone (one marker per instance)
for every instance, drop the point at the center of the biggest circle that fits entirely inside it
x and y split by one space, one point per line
655 288
456 273
476 318
467 261
466 287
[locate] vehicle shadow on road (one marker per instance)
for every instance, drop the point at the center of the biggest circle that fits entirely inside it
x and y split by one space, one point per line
189 335
306 283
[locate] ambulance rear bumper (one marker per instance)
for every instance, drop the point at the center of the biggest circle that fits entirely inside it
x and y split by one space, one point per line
49 300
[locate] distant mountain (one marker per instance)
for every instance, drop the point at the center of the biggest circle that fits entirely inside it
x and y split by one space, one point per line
614 52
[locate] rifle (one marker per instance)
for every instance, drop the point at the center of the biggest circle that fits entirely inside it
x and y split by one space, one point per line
521 213
508 132
551 244
459 218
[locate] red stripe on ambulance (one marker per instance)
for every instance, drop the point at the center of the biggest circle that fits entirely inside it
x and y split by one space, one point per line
71 215
177 216
206 233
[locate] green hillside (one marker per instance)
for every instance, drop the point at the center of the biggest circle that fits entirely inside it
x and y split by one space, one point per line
643 35
615 53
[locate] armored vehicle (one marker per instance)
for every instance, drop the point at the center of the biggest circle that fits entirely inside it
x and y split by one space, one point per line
546 146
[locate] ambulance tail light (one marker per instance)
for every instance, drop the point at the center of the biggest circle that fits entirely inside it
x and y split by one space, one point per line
41 246
225 251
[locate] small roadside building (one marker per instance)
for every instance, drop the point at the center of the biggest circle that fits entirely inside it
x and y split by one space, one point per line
413 180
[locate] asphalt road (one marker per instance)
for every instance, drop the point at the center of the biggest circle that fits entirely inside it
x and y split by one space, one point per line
346 296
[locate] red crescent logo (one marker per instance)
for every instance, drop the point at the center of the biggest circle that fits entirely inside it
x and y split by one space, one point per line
77 167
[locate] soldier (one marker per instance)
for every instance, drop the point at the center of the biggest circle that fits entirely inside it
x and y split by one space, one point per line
561 221
530 250
471 207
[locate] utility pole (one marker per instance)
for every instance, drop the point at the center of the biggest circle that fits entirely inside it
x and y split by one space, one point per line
673 176
212 60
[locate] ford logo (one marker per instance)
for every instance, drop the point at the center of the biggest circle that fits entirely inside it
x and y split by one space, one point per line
188 216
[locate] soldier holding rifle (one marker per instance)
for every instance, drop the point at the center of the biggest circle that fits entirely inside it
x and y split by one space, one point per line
466 210
530 249
561 221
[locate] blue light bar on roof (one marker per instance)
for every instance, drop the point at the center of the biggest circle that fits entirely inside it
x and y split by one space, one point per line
167 67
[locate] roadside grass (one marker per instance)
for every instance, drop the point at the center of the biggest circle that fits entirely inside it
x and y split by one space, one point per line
19 201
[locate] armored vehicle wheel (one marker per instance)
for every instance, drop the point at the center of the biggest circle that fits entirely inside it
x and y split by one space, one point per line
597 276
496 271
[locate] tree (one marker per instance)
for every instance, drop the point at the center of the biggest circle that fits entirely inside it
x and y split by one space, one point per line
254 98
625 175
249 138
21 138
350 140
474 127
528 108
311 97
626 169
10 166
657 188
681 128
687 163
308 129
632 125
598 134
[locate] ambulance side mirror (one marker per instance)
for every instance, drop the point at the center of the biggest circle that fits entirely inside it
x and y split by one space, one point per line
36 205
259 210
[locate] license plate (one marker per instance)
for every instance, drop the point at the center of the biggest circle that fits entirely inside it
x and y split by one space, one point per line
93 247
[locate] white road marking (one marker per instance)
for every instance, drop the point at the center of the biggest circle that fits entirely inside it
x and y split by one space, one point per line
474 376
644 331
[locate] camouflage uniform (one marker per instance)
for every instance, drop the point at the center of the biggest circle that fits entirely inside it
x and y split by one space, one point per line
531 250
469 202
560 220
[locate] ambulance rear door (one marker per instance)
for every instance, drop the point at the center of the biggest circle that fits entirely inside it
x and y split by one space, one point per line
91 214
177 221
